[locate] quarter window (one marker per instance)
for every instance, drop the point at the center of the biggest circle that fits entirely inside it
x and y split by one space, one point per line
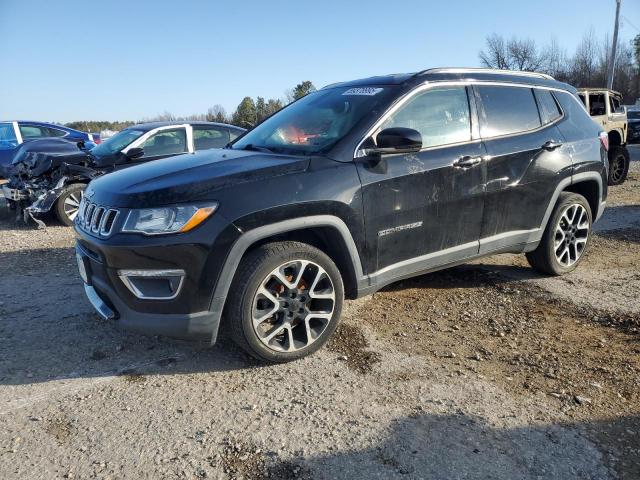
209 137
549 110
166 142
54 132
507 110
233 134
441 115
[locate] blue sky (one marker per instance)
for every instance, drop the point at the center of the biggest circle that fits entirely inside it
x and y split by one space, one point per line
125 60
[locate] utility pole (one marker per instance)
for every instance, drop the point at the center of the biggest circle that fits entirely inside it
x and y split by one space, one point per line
612 60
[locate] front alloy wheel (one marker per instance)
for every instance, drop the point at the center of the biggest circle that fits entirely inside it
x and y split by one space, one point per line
293 306
284 302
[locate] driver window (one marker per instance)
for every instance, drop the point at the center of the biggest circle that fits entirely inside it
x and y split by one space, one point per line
441 115
597 105
166 142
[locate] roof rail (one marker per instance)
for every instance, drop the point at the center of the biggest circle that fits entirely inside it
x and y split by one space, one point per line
496 71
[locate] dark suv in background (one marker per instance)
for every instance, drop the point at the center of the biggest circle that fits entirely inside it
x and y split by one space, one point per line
348 189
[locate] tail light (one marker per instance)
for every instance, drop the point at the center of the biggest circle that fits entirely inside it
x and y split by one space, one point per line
97 140
604 140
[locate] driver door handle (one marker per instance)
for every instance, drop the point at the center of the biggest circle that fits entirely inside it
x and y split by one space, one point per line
467 161
551 145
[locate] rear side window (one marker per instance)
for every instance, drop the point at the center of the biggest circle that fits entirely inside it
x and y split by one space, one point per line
549 111
441 115
507 110
209 137
233 134
597 105
33 131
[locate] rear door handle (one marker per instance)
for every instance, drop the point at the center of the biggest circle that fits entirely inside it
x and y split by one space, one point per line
467 161
551 145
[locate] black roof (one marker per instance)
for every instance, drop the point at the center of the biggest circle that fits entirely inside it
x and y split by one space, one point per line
145 127
452 74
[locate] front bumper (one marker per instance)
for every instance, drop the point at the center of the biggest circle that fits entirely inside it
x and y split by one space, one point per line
190 314
14 194
192 326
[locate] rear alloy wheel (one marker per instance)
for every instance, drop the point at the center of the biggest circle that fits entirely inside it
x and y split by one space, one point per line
618 165
68 203
565 238
285 301
572 234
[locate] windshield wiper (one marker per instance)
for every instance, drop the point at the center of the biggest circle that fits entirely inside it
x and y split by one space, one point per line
256 148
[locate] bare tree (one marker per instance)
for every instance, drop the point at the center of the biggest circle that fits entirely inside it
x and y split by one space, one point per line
583 63
523 55
515 54
555 60
217 113
496 55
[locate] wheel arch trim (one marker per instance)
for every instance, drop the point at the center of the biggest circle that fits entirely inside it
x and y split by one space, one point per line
564 183
250 237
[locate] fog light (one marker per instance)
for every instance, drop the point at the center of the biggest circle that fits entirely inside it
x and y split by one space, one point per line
153 284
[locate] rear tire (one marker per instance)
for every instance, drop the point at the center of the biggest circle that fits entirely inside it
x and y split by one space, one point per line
618 165
285 301
565 238
68 203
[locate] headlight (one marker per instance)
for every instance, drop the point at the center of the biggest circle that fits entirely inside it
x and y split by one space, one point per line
173 219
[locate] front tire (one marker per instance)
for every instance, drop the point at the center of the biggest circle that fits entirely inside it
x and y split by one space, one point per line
285 301
68 203
618 165
566 237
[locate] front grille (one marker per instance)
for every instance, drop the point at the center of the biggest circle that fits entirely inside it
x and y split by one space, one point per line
96 219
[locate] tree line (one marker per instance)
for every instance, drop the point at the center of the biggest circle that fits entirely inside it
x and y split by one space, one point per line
249 112
585 67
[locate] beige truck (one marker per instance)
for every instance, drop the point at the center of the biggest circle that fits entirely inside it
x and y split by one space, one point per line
605 107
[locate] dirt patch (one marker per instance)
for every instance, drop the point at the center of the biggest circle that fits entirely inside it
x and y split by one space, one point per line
521 337
60 428
243 460
628 191
351 344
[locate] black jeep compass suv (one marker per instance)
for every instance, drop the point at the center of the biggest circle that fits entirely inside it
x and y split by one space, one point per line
348 189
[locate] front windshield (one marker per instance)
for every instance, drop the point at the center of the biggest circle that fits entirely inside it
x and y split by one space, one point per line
116 143
316 122
633 114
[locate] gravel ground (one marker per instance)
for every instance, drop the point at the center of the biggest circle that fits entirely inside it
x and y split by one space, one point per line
483 371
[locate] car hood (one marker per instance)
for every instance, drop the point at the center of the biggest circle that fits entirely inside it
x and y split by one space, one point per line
36 157
190 177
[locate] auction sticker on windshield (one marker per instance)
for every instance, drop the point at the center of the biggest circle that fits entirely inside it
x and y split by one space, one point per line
363 91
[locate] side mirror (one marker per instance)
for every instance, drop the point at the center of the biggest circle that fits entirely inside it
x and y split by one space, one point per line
134 153
620 109
397 140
